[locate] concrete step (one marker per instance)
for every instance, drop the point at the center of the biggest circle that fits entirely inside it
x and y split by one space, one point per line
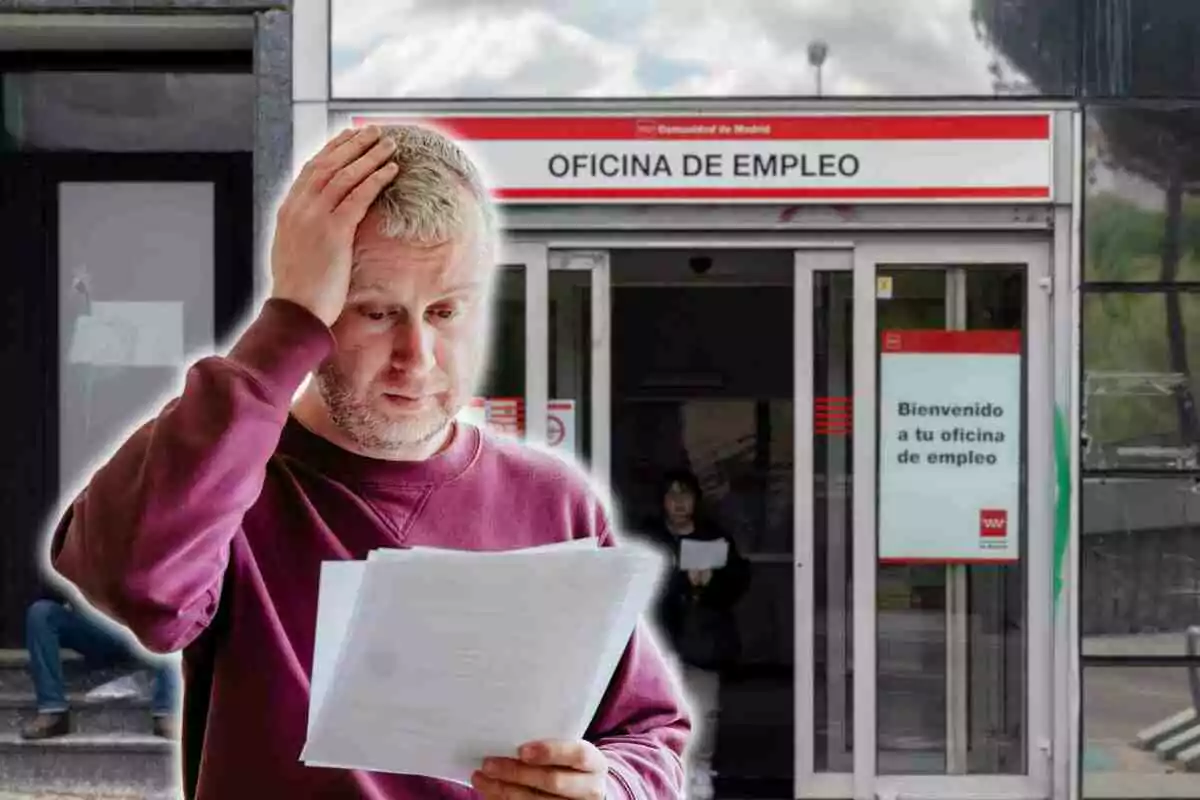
119 715
14 672
1151 737
83 763
1168 748
110 752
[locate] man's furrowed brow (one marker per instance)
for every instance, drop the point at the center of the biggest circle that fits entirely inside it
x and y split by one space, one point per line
358 290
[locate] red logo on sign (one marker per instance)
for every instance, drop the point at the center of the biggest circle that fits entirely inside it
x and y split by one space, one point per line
646 127
993 522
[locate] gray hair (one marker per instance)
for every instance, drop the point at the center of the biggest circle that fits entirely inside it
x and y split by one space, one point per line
425 203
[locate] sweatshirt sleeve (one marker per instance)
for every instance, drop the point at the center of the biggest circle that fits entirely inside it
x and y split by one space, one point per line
148 539
642 725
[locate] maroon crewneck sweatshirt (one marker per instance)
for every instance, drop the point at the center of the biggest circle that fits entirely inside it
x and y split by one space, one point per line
206 530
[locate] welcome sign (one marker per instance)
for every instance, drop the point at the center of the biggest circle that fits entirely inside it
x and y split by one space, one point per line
950 446
796 159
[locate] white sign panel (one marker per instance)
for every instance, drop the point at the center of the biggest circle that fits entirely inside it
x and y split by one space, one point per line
950 446
793 159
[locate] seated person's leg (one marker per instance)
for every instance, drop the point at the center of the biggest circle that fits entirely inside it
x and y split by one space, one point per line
166 696
43 621
51 625
99 646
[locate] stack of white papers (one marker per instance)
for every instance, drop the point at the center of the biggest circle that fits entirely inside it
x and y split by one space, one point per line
703 554
427 661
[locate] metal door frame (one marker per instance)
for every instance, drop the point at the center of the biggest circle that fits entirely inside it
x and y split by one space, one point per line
949 252
861 255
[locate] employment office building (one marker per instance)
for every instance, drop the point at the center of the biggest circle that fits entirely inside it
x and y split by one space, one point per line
909 286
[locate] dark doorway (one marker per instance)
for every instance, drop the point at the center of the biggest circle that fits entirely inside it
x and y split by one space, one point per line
40 201
703 379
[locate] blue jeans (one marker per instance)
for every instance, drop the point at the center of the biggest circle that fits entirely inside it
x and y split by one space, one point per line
50 626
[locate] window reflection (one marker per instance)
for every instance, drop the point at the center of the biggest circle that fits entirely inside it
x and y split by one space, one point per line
1139 393
530 48
1140 554
1141 48
1143 215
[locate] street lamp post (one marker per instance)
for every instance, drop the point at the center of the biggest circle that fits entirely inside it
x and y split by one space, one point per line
818 51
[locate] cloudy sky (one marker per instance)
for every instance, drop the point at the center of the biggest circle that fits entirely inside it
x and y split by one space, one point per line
634 48
567 48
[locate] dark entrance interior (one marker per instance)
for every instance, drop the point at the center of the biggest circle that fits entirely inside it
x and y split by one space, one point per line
702 378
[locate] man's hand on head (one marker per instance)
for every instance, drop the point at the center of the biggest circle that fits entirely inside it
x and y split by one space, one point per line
575 770
316 223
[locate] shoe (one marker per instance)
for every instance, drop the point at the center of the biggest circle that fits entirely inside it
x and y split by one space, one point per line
164 726
700 785
47 726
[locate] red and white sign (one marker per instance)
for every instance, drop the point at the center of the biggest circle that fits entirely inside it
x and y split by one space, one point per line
791 159
993 523
506 416
950 427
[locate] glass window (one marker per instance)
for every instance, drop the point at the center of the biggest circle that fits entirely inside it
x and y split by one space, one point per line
1141 48
1140 554
531 48
501 391
127 314
833 546
569 418
951 682
1139 395
128 111
1142 213
1139 732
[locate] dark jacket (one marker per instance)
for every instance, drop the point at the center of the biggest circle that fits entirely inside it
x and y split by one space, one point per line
698 621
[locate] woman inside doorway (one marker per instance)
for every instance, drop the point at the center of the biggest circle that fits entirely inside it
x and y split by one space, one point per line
695 608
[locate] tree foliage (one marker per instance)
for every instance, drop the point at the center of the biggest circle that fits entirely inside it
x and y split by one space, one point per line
1125 46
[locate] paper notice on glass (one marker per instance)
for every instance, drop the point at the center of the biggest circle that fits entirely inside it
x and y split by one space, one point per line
696 554
133 334
448 658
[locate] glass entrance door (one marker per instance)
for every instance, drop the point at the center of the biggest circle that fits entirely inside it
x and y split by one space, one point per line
887 649
924 521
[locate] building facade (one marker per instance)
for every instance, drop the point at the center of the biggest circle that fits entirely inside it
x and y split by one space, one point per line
869 269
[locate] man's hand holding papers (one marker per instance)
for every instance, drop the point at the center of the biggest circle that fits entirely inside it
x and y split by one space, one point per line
570 769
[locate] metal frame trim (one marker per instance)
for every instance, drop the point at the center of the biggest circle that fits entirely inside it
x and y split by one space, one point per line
808 782
948 252
803 510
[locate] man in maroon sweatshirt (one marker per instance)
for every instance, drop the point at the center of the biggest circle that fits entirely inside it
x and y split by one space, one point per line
206 529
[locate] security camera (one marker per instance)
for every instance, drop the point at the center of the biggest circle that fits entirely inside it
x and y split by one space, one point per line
700 264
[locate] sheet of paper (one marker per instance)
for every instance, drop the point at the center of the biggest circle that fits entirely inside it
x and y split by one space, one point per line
340 581
401 552
135 334
697 554
339 584
449 659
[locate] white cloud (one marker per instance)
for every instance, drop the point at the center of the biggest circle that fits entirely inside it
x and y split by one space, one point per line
529 53
675 47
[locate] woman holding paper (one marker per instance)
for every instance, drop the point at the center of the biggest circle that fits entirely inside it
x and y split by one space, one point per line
695 608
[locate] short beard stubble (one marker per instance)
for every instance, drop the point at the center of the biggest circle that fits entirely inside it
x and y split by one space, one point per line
368 428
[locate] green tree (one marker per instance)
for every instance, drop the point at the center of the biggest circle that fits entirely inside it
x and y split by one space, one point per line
1130 44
